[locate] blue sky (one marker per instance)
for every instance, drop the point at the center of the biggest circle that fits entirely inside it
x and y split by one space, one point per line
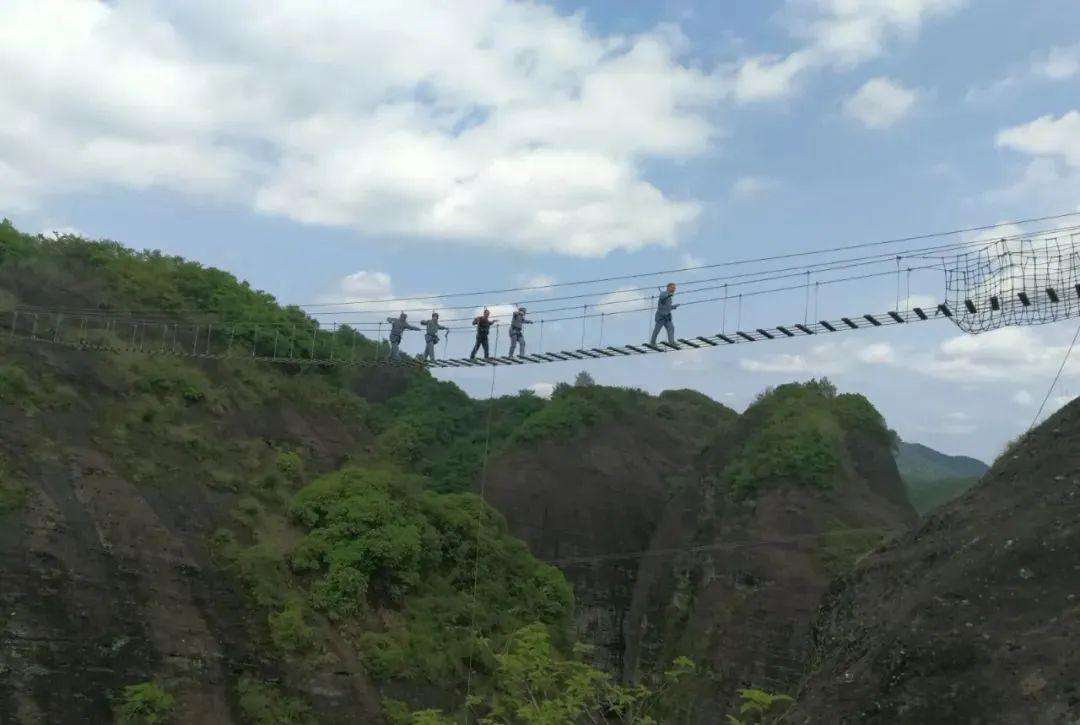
393 149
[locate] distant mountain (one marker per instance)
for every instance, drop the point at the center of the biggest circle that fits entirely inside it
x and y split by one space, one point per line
933 477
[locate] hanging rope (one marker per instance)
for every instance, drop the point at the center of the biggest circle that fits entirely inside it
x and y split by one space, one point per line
1054 382
480 523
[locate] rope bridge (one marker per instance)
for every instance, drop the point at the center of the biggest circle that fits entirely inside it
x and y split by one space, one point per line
1017 280
117 334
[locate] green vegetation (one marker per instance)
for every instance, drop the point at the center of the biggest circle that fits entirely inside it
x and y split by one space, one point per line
263 704
796 434
759 706
534 684
573 409
13 495
147 703
841 546
377 539
927 494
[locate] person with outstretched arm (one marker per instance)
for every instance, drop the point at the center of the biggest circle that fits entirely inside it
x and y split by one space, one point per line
517 331
483 325
431 336
664 307
398 325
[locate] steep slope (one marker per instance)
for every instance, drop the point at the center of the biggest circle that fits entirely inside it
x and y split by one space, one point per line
973 617
722 550
932 477
592 478
251 543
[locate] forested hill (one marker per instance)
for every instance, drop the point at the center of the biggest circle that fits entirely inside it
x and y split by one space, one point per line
224 540
933 478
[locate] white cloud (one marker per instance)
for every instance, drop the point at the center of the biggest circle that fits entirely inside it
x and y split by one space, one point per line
880 353
1061 63
838 33
544 390
1006 355
752 187
818 360
1023 398
498 122
1052 176
879 103
365 285
1046 136
536 280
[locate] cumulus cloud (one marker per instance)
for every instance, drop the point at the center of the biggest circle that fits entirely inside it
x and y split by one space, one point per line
1061 63
519 127
1005 355
544 390
837 33
1046 136
1052 176
752 187
879 103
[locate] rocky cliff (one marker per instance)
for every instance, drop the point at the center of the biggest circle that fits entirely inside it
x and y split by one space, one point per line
974 616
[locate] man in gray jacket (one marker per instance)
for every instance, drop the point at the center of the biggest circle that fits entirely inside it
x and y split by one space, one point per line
664 307
398 325
431 336
517 330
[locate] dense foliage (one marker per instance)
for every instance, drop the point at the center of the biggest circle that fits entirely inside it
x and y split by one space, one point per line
797 433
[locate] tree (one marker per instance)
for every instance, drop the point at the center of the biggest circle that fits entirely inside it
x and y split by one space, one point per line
584 380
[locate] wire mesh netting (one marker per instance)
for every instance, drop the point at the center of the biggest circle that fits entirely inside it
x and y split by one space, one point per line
1025 281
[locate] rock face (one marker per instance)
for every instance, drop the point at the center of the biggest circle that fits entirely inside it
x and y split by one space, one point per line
105 583
665 561
973 617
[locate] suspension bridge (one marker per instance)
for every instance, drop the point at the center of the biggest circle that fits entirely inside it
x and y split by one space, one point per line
1021 279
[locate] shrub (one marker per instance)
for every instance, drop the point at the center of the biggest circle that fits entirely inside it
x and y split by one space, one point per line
144 704
263 704
288 630
290 465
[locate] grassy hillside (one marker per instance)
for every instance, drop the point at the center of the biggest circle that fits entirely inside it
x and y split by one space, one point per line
933 478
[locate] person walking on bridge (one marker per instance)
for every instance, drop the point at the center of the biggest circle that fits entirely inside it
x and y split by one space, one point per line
398 325
664 307
431 336
483 325
517 331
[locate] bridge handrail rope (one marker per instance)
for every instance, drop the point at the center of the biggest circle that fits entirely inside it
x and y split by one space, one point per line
885 255
716 340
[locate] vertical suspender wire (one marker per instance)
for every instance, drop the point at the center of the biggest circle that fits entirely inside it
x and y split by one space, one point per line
649 317
738 323
209 330
15 322
584 321
817 297
275 342
314 338
541 336
333 338
601 330
724 313
907 300
479 525
897 284
806 307
378 345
